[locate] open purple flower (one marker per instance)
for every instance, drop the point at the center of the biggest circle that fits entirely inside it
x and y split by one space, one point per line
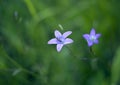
92 38
60 39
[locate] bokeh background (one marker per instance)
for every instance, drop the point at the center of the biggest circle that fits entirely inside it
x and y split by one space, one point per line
27 59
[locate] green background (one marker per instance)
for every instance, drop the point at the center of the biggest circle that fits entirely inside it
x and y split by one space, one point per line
27 59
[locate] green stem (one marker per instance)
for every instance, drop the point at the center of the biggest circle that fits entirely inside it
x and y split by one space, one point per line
19 66
94 59
3 53
92 52
31 7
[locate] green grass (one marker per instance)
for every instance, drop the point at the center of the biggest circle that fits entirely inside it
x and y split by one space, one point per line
27 59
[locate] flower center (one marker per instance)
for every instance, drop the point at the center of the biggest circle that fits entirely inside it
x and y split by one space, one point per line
92 38
61 39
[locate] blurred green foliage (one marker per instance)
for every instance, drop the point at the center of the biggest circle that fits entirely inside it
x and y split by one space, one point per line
27 59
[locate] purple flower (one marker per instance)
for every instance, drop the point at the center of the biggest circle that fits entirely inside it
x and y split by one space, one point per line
92 38
60 39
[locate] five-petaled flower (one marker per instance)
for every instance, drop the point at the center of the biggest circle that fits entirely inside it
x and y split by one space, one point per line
92 38
61 39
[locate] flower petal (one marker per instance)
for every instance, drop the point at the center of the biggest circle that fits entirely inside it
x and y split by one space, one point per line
98 35
57 34
96 41
59 47
52 41
92 32
86 36
90 43
68 41
66 34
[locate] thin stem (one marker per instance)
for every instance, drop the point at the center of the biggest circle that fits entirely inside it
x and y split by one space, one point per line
31 7
94 59
92 52
20 67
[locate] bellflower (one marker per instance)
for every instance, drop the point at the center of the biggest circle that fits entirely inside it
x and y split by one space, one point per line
92 38
61 39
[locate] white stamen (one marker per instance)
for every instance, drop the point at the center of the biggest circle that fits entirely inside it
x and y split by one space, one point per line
92 38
